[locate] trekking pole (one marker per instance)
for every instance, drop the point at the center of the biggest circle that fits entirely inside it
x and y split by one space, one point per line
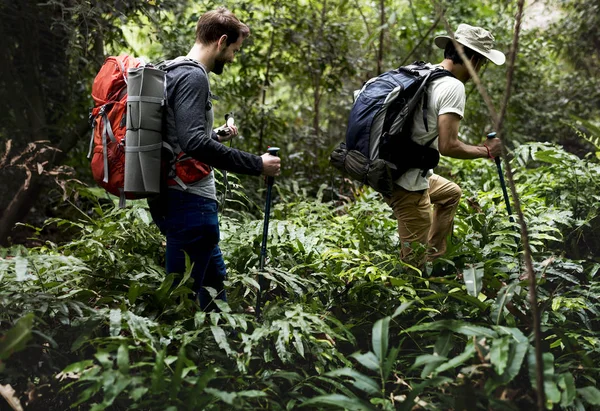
262 281
229 121
502 182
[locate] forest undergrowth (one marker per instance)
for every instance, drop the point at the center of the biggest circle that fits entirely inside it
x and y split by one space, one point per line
94 323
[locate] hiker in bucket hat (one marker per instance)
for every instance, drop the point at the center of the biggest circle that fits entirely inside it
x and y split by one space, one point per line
416 191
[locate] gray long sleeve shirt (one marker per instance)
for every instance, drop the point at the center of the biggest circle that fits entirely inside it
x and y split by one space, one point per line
189 125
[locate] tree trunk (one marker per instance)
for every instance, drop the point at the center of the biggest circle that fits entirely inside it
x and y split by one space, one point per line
38 94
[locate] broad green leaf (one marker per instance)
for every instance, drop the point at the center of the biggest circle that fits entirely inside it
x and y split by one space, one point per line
473 277
78 367
430 362
123 358
566 383
505 295
221 339
21 269
165 287
340 401
204 379
444 344
466 355
251 394
417 389
428 358
380 338
590 394
199 319
360 381
403 307
469 299
226 397
595 268
143 214
368 360
16 338
282 341
114 387
518 348
298 343
460 327
158 370
550 388
138 393
499 354
178 373
104 359
390 361
115 322
139 327
222 305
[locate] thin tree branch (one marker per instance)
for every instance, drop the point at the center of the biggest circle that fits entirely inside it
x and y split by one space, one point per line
498 121
459 48
364 18
426 36
412 10
539 368
381 37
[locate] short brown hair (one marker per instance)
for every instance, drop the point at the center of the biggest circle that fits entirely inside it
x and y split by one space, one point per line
213 24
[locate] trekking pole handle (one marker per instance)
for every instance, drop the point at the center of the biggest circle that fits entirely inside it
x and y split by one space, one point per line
274 151
229 120
489 137
502 182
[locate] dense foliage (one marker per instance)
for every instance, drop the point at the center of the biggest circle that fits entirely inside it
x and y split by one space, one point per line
95 323
89 320
291 85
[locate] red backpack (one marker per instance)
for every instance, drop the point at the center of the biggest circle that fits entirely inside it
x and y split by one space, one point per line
109 122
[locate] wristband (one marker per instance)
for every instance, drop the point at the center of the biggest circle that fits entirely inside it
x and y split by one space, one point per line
488 151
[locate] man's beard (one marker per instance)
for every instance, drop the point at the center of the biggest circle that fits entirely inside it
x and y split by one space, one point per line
218 68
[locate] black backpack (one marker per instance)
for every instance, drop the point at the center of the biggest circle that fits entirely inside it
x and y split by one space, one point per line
378 147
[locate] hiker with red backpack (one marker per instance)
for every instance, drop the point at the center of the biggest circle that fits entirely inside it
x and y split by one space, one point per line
186 212
400 123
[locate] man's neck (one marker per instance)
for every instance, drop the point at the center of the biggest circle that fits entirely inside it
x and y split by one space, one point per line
458 70
203 54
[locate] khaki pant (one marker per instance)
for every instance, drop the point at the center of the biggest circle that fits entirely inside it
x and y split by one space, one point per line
416 220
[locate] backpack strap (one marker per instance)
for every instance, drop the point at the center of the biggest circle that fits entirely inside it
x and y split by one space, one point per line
185 61
175 151
433 75
420 68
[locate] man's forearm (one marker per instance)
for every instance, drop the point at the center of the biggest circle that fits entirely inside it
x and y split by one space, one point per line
220 156
460 150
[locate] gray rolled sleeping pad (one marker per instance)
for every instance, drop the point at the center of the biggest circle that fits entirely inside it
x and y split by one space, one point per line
146 97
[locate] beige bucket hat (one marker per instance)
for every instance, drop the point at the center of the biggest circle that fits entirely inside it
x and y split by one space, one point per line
475 38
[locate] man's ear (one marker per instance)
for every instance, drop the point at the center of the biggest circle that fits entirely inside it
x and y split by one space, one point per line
222 42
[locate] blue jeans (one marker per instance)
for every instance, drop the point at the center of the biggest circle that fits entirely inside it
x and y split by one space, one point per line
191 225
